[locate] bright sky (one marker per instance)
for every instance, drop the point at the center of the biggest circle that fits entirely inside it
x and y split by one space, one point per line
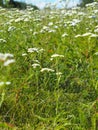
42 3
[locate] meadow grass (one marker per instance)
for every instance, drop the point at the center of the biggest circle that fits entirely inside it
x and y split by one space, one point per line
49 69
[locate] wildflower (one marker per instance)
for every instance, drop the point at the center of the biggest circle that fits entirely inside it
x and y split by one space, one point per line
56 55
24 54
47 70
94 35
59 73
64 35
26 19
95 11
18 20
36 61
93 16
2 57
52 31
96 30
50 24
1 83
11 28
35 65
6 63
55 27
45 28
8 55
33 50
2 41
35 33
41 50
78 36
96 53
86 34
7 83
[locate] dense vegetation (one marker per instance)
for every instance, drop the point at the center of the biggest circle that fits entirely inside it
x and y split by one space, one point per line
16 4
84 2
49 69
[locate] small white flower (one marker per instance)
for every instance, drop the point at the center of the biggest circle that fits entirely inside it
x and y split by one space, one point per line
47 70
18 20
24 54
26 19
8 55
35 65
96 53
11 28
96 30
78 36
94 35
36 61
35 33
59 73
8 62
1 83
2 41
52 31
2 57
7 83
33 50
50 24
64 35
86 34
45 28
57 55
41 50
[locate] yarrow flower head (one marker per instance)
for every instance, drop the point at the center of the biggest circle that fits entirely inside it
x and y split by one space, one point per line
1 83
96 53
64 35
86 34
24 54
4 57
8 62
78 36
59 73
56 56
3 41
33 50
5 83
11 28
35 65
47 70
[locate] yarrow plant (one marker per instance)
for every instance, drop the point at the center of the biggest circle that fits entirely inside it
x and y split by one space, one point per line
49 68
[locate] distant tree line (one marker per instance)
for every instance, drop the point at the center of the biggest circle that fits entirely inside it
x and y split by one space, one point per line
16 4
84 2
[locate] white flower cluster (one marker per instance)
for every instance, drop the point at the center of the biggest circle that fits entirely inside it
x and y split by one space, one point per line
5 83
86 35
3 41
56 56
47 70
31 50
6 58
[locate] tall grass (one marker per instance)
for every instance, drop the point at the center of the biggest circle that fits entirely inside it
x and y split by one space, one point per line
49 69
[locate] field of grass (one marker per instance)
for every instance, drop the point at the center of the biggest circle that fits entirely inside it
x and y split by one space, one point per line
49 69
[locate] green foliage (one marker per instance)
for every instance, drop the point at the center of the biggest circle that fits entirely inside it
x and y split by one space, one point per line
49 69
84 2
16 4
